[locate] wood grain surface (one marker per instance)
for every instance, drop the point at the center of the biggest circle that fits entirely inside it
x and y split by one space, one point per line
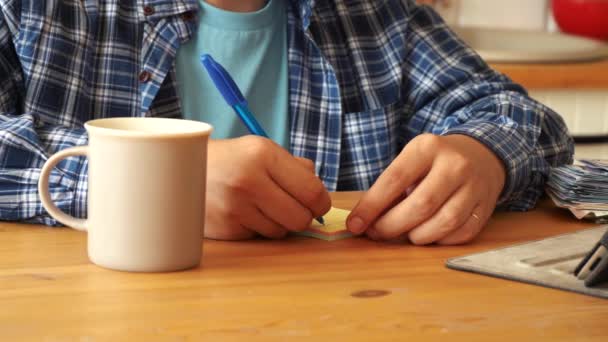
589 75
298 289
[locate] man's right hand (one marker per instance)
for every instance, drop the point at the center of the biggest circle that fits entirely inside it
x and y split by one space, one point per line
254 186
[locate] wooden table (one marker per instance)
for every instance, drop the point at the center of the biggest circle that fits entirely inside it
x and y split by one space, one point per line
297 289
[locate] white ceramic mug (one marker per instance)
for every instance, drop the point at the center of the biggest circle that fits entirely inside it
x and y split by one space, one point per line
146 192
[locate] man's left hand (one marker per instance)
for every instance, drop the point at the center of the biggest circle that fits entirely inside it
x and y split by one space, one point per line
439 189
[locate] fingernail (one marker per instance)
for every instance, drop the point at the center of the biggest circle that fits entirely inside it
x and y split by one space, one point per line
356 225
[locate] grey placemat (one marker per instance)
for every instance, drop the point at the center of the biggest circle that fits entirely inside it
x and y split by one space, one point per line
548 262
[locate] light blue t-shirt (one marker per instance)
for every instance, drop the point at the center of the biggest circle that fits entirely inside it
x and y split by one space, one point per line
253 48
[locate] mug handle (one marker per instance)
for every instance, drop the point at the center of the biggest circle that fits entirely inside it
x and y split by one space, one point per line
43 187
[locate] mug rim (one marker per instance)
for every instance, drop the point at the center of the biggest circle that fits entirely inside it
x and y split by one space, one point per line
190 128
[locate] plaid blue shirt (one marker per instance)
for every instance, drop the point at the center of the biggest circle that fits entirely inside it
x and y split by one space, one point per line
365 77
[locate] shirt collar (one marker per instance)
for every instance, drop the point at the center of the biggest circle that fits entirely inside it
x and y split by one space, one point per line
157 9
304 10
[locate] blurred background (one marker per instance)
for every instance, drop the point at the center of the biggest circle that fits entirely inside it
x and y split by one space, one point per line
558 49
522 14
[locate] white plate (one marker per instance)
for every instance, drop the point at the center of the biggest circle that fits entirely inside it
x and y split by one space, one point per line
513 46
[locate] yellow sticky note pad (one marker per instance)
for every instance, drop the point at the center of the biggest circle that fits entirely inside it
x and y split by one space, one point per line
333 229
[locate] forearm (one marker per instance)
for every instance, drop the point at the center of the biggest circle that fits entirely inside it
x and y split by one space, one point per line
457 93
529 140
26 142
24 147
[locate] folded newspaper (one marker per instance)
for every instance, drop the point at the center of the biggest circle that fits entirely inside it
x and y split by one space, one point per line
582 188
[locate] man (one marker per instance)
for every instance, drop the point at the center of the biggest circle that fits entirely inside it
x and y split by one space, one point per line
380 95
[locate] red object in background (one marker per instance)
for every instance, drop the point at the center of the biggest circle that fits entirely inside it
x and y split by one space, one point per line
587 18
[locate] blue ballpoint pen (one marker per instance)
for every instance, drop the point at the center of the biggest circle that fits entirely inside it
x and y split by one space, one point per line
235 99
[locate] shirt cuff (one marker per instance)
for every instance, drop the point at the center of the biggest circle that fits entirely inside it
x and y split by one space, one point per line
526 172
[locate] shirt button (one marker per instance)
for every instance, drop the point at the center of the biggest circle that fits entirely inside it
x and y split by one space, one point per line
188 16
148 10
144 76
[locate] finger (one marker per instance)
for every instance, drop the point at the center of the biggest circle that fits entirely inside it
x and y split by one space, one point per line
432 192
394 203
221 224
256 221
307 163
467 231
410 166
448 219
373 234
282 208
300 183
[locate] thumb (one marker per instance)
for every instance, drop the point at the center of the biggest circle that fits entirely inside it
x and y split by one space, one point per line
308 164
